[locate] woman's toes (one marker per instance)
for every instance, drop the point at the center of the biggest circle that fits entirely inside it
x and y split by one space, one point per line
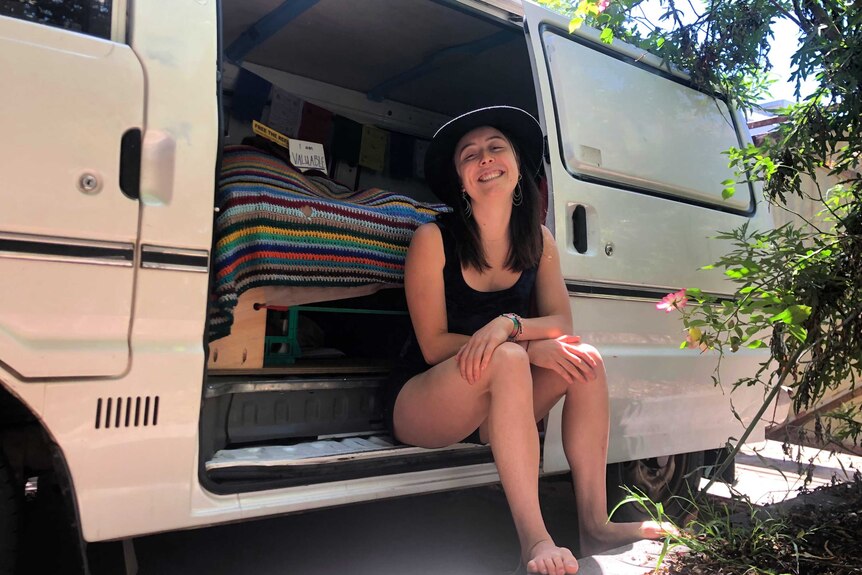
558 565
548 559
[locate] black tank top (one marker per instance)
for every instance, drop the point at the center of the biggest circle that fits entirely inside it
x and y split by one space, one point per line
467 309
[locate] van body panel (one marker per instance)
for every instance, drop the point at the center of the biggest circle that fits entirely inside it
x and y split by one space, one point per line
67 231
652 406
131 448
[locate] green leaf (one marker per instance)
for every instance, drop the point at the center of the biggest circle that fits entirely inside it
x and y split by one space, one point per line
607 36
784 316
793 315
728 192
800 313
575 24
798 332
659 42
756 344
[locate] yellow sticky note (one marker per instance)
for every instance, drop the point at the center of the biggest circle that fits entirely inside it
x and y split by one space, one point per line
372 151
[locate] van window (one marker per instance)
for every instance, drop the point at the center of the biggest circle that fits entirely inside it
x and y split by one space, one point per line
627 123
91 17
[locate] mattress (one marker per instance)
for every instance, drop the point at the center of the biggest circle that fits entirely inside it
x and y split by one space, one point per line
279 227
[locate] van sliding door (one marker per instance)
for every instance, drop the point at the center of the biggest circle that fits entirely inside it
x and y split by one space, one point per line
641 152
635 169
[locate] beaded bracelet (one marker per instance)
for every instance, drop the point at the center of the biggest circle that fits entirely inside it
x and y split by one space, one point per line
517 327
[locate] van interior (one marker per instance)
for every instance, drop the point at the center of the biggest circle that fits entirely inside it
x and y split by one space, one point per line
295 394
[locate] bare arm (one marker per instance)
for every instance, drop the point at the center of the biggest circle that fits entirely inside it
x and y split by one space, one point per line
556 349
426 299
554 316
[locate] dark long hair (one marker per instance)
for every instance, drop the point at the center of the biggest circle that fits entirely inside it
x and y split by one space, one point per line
525 226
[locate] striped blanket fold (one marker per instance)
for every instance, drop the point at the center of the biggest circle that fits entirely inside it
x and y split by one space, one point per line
278 227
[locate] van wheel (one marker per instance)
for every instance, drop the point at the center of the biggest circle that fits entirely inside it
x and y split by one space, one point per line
672 480
9 518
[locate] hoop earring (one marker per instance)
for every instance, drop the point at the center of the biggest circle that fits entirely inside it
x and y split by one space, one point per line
468 207
518 196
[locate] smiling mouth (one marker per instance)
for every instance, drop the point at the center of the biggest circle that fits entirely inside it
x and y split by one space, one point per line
487 177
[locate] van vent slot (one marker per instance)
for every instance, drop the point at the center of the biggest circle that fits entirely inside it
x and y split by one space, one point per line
127 412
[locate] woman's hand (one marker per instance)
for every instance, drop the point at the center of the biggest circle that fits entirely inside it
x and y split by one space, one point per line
564 356
474 356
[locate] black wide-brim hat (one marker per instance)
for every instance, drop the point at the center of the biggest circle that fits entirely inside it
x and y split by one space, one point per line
517 124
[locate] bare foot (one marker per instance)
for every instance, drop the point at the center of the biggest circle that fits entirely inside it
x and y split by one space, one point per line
611 535
546 558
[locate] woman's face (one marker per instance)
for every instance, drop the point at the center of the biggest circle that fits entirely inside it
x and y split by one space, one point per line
486 163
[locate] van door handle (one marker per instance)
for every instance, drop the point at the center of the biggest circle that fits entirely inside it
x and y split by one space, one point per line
130 164
579 229
158 152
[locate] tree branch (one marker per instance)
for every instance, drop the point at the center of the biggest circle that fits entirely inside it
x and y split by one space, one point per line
822 19
786 13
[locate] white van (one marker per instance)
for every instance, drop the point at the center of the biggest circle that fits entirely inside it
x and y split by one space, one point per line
114 115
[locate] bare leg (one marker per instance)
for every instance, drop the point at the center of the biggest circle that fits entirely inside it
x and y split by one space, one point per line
585 441
438 408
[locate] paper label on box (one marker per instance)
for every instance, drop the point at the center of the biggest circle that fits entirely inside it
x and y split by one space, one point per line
307 155
285 112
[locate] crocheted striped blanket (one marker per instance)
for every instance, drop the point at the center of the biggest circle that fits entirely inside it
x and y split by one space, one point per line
278 227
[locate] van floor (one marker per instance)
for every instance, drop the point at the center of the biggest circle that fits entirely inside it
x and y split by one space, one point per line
286 426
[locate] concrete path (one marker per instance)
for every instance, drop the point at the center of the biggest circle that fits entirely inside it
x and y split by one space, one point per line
636 559
767 476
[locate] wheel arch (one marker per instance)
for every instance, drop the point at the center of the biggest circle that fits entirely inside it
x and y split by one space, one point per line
31 451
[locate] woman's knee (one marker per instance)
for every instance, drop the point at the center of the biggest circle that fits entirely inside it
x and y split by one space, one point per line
508 356
596 358
510 367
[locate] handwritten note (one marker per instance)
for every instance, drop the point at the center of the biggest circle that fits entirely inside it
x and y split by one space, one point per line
307 155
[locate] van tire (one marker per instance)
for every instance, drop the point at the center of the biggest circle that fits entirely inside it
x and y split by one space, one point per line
10 509
673 481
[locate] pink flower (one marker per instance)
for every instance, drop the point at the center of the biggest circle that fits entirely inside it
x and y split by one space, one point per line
602 4
672 301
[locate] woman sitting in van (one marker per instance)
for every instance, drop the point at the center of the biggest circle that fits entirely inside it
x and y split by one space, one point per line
492 351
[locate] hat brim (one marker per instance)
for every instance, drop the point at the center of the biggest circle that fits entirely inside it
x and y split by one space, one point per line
521 126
